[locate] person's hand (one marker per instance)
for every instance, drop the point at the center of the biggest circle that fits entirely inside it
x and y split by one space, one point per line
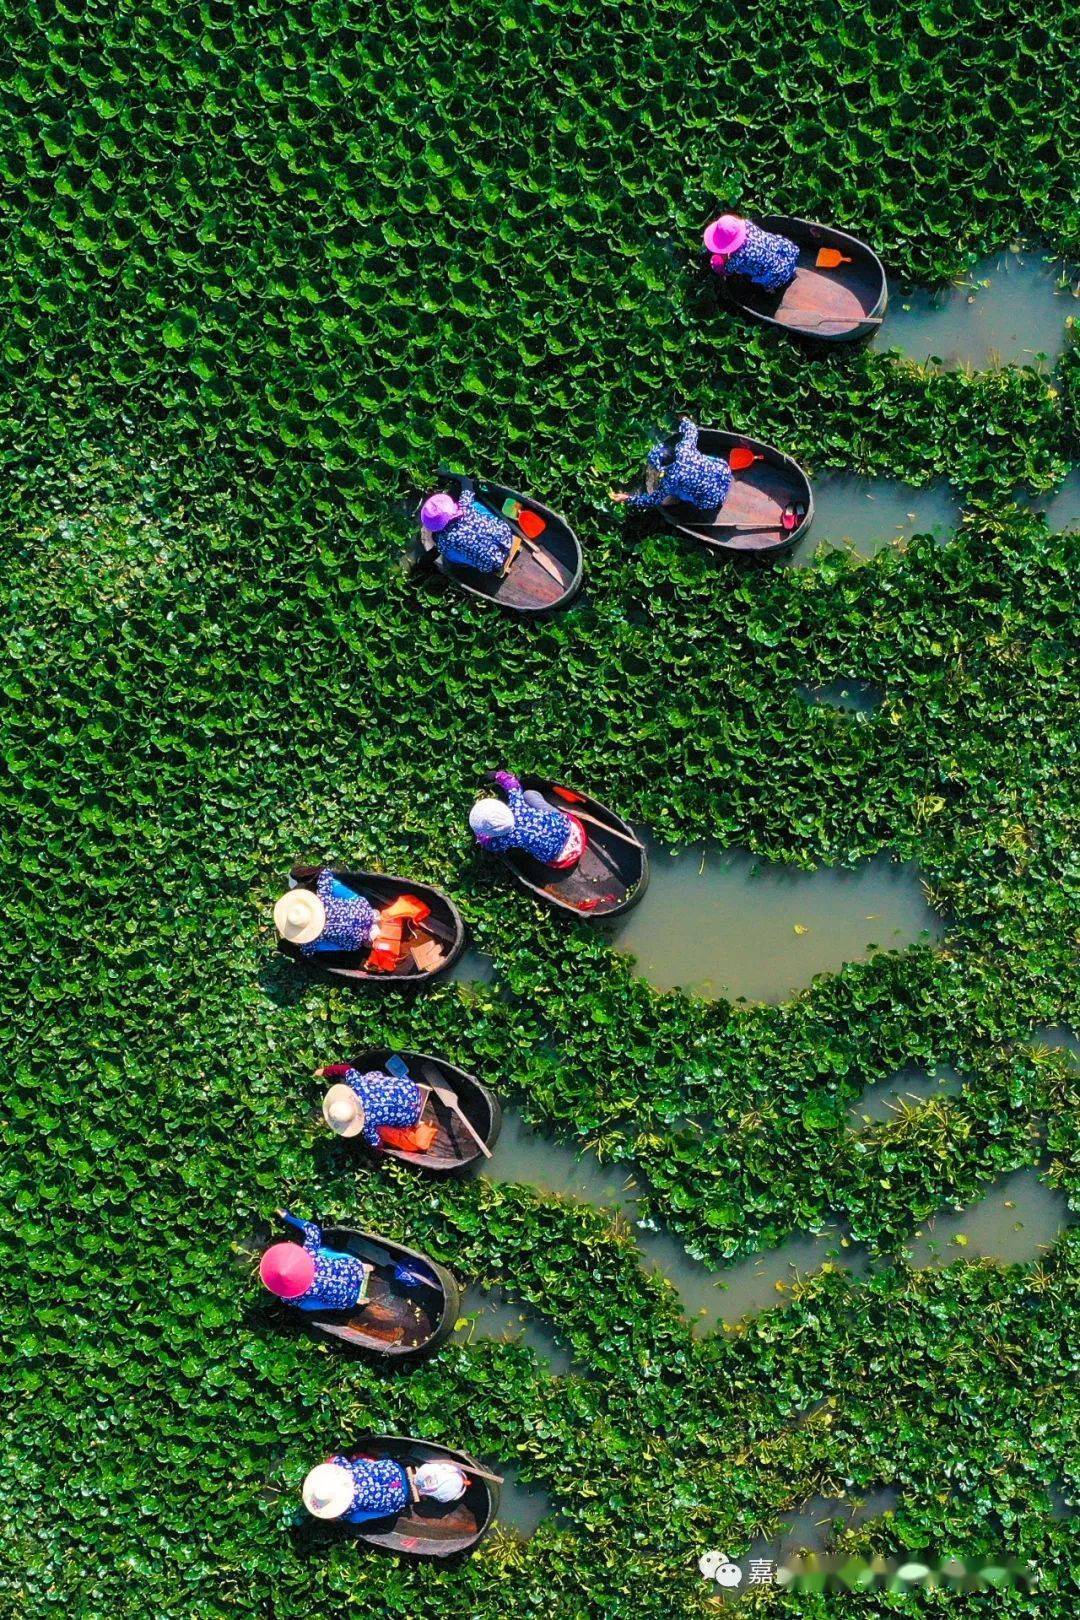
618 496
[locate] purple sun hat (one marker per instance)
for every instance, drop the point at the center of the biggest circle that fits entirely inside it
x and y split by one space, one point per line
439 510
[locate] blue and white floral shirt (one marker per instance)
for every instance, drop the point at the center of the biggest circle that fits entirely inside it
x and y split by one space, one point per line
351 921
340 1280
546 834
765 259
701 481
380 1488
387 1099
476 539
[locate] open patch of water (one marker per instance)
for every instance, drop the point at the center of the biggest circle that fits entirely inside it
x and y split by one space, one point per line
1013 1223
707 1297
722 923
1010 309
1057 1038
864 515
522 1507
473 967
494 1317
907 1088
852 697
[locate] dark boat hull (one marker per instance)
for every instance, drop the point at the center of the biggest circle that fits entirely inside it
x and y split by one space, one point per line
826 306
527 588
429 1529
453 1149
757 497
381 889
612 874
397 1320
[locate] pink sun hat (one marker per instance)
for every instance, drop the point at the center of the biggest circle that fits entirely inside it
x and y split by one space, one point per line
287 1270
726 234
439 510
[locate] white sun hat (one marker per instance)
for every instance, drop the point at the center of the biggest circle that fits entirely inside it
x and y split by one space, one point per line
442 1480
343 1111
328 1491
299 916
490 816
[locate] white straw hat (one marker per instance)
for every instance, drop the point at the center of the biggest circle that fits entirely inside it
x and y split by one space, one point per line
299 916
328 1491
343 1111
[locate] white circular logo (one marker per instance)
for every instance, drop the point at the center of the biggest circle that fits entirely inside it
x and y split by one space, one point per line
717 1566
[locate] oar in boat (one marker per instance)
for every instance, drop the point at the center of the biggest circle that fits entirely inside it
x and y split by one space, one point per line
606 826
541 557
396 1065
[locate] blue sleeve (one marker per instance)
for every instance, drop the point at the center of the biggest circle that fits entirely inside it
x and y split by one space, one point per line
312 1236
688 435
648 497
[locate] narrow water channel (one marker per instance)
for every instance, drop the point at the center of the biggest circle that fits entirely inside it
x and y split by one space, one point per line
865 515
1014 1224
1011 309
489 1314
722 923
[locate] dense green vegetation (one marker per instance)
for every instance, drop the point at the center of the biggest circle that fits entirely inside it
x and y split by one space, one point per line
263 269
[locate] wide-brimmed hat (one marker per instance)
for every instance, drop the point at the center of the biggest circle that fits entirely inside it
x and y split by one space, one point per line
726 234
328 1491
439 510
287 1270
490 816
299 916
343 1111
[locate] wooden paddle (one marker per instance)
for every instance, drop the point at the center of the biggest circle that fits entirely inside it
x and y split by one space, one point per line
444 1094
482 1473
545 562
608 828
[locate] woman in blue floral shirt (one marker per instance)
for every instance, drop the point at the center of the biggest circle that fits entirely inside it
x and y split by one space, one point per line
738 247
333 918
524 821
466 532
312 1277
358 1488
682 474
370 1104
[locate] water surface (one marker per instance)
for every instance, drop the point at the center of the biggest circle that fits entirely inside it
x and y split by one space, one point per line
1057 1038
521 1506
1009 310
851 697
906 1089
722 923
864 515
493 1316
1014 1223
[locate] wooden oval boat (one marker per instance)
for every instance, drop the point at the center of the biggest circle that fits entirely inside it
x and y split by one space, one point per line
399 1318
445 924
428 1529
453 1149
612 874
829 306
749 519
543 577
